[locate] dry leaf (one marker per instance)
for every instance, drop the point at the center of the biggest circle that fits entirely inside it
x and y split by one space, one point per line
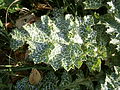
35 77
22 53
40 6
26 54
9 25
22 20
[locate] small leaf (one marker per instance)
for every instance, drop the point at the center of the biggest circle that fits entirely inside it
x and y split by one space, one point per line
22 20
35 77
9 25
92 4
1 24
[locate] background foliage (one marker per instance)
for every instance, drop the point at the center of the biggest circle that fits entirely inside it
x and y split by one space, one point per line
76 45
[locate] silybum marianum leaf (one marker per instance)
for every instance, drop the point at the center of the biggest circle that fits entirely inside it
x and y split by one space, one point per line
112 81
112 21
68 58
49 82
65 79
18 38
64 41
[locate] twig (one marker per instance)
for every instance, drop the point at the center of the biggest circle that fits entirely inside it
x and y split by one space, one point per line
8 9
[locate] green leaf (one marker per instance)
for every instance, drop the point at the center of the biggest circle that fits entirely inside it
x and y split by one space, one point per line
112 81
92 4
65 79
94 64
49 82
1 3
69 55
18 38
113 25
103 38
77 84
117 8
1 24
4 4
61 41
24 84
112 21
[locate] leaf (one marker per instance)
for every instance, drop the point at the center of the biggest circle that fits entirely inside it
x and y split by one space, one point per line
24 19
69 56
35 77
103 38
22 84
117 8
61 41
9 25
1 24
75 84
94 64
112 81
4 4
92 4
65 79
18 36
112 22
49 82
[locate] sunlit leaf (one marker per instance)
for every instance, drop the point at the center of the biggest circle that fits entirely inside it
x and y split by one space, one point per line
92 4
